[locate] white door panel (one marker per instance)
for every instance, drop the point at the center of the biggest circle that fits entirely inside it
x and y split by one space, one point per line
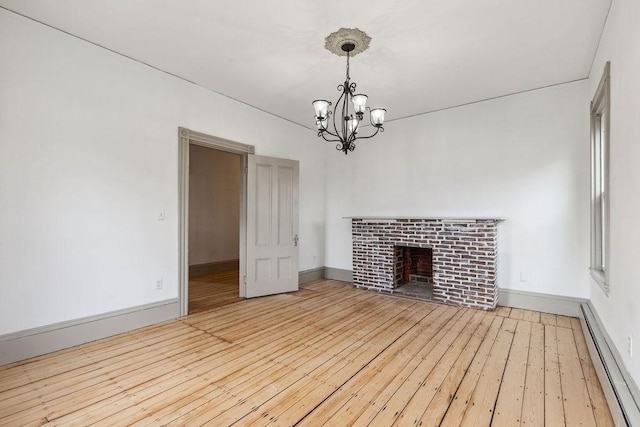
272 226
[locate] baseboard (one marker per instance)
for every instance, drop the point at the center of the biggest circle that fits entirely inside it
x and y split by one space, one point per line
619 388
37 341
338 274
546 303
213 267
311 275
567 306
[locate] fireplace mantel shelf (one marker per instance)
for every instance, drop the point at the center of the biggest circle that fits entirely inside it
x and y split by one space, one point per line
435 218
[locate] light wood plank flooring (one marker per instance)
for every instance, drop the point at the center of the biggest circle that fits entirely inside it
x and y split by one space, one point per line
213 290
326 355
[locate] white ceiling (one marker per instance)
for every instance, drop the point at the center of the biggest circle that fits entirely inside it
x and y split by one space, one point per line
425 55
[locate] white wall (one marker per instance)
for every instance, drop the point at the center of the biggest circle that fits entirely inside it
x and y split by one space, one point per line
88 158
214 205
524 157
620 312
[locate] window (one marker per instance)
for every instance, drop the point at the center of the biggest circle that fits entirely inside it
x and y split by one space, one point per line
600 182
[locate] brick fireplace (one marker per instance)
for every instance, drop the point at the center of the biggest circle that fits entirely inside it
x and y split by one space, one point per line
456 257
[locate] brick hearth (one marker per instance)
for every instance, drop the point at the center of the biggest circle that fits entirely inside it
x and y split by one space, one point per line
464 256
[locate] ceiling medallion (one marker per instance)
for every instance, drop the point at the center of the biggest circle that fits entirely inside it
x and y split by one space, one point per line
342 125
335 41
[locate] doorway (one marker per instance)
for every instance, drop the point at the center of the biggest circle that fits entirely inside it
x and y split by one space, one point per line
214 227
268 227
188 139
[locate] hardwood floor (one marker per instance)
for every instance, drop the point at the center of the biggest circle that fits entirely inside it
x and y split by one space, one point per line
326 355
213 290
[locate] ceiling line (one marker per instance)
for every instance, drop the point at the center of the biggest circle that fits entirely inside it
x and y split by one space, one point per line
151 66
489 99
480 100
604 25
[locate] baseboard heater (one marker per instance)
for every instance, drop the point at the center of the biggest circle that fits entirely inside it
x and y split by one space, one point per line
617 384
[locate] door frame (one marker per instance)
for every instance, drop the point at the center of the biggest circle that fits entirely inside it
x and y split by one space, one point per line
187 137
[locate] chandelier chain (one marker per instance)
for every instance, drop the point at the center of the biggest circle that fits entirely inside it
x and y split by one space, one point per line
348 55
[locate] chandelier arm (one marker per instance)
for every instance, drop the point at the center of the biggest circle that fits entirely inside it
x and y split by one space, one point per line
345 147
345 113
342 88
326 130
378 129
323 135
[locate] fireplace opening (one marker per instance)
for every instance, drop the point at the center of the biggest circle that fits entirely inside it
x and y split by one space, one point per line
413 271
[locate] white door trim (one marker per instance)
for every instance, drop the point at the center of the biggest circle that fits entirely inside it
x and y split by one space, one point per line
187 137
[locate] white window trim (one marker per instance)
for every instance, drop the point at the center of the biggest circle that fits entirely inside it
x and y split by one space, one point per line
600 134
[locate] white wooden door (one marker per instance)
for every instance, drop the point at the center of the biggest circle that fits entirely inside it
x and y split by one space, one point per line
272 226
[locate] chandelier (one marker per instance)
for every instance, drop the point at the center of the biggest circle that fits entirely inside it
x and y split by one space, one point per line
342 125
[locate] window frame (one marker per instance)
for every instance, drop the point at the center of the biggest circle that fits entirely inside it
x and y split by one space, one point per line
600 198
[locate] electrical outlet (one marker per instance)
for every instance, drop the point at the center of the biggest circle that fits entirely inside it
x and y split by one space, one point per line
524 277
630 346
158 284
161 215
